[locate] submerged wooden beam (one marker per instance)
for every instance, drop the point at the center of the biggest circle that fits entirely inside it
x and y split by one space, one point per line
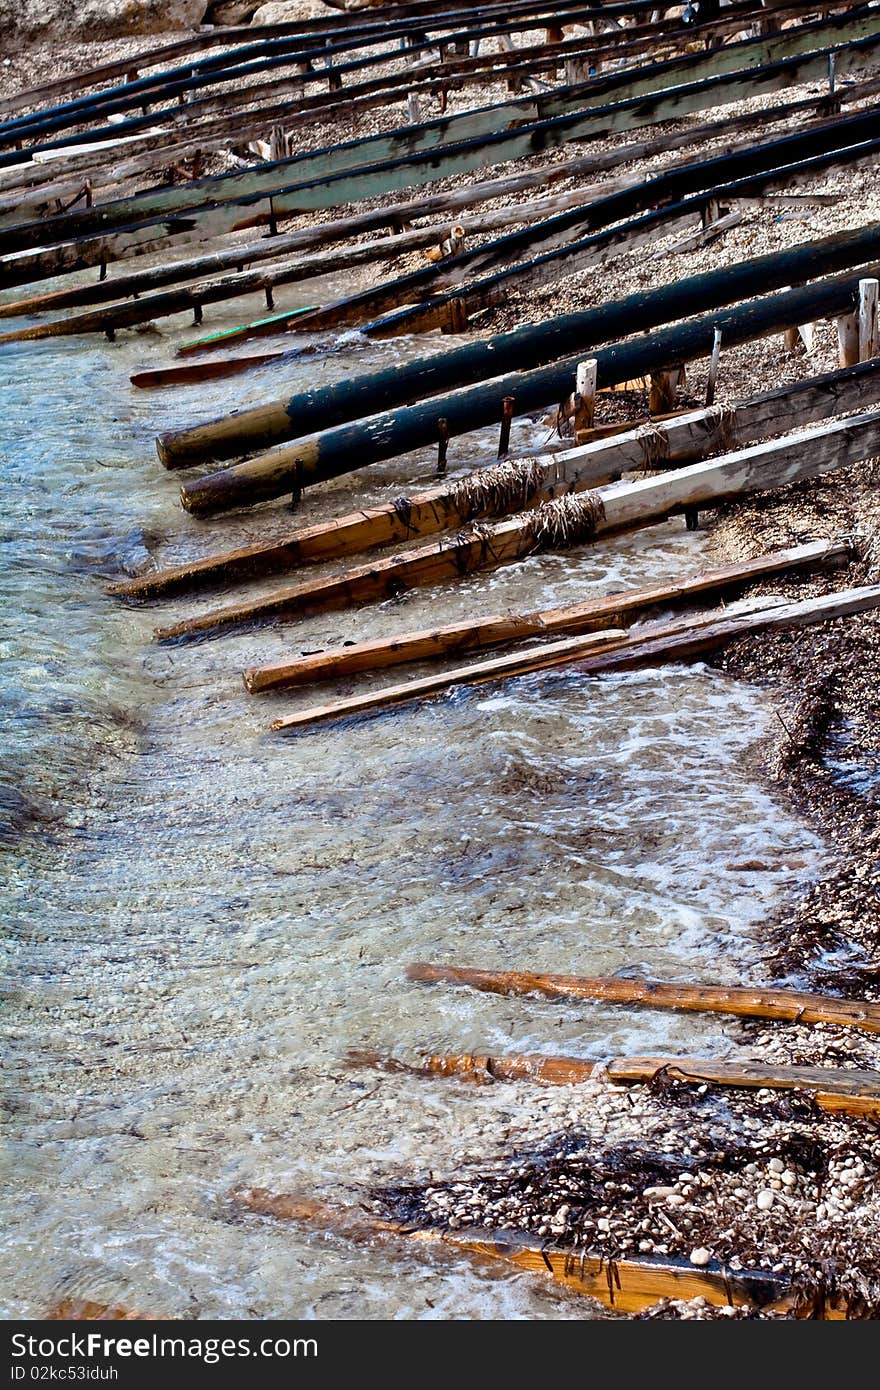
615 610
835 1089
759 1001
624 1285
566 521
651 646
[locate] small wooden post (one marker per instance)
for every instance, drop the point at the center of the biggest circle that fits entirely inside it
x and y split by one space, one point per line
296 494
442 445
273 220
506 417
691 518
457 317
585 395
413 110
661 397
270 298
869 325
555 33
713 367
848 339
198 313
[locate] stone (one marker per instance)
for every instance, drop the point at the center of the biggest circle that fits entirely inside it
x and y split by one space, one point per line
700 1257
765 1199
26 21
289 11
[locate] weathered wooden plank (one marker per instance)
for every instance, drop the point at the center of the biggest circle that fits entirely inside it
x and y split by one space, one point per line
147 308
680 642
208 123
615 610
570 241
757 1001
307 238
259 427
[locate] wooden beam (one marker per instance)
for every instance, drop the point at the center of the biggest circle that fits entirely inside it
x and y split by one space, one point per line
624 1285
514 352
751 55
493 492
834 1089
114 241
758 1001
614 610
608 510
686 641
307 238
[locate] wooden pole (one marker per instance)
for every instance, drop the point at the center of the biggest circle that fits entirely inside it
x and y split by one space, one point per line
386 434
568 520
759 1001
687 438
624 1285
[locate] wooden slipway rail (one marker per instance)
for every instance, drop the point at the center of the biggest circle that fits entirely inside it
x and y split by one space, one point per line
623 1285
613 611
512 487
325 407
208 122
281 52
110 239
650 646
385 435
428 205
256 35
760 1001
482 122
837 1090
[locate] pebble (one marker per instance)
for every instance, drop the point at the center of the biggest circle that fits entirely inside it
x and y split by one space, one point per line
701 1256
765 1199
776 1165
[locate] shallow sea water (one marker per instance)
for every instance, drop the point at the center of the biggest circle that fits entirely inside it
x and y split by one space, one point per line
202 918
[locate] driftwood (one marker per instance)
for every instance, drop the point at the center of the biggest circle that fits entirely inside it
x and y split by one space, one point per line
616 610
568 520
787 1005
624 1285
653 645
84 1310
835 1089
